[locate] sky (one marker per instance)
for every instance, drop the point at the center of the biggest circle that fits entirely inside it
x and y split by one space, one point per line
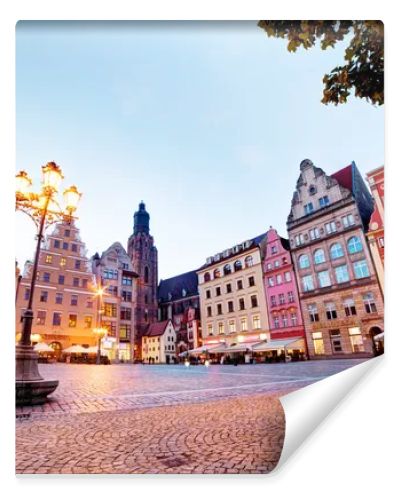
207 123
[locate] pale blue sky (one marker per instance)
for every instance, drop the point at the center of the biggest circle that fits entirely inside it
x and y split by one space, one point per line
206 122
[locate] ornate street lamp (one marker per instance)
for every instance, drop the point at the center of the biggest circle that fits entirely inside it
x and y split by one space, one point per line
99 331
44 209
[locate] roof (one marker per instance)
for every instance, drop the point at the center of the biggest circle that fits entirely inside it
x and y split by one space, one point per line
285 243
345 177
156 329
171 288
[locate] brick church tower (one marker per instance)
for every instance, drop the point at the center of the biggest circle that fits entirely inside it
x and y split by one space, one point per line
143 255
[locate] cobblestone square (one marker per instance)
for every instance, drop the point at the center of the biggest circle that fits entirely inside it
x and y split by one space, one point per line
162 419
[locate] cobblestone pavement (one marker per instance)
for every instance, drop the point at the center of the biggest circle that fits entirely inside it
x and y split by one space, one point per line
162 419
91 388
237 435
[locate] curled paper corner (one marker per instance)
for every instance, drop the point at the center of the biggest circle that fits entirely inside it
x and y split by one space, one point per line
308 407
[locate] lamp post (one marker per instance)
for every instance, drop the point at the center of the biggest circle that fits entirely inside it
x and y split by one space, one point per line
44 209
99 331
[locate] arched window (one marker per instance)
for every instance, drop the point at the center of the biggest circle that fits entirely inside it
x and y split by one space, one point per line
238 265
304 261
319 256
336 251
207 277
354 244
217 273
227 269
248 261
146 274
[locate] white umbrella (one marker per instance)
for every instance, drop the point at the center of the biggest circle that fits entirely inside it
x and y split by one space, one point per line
43 347
93 350
74 349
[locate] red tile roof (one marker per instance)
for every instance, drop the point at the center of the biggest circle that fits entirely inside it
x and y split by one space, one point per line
157 329
345 177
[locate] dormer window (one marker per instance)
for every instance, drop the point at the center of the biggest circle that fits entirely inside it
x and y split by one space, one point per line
308 209
312 190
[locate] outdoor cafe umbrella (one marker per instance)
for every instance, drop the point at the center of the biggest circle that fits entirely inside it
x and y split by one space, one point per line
43 347
75 349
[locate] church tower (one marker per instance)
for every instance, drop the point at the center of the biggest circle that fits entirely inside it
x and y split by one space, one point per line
143 255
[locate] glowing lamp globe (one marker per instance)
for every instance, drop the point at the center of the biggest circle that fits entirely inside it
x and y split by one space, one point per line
52 176
71 197
23 184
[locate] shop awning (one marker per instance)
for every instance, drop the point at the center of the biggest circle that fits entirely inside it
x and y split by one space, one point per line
75 349
93 350
42 347
379 336
205 348
273 345
241 347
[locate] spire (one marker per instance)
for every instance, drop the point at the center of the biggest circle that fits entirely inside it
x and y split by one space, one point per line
141 220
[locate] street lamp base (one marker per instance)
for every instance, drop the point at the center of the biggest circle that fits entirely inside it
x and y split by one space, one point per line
31 388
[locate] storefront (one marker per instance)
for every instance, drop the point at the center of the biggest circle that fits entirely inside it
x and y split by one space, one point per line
284 350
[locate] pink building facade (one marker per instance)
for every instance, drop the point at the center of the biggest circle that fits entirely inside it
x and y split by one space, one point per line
283 304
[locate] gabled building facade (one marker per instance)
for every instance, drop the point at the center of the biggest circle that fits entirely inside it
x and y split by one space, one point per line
339 292
283 304
376 232
159 343
64 304
115 275
232 296
179 301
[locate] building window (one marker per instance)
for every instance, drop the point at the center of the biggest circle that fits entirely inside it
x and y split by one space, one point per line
207 277
219 308
290 297
354 245
124 332
74 300
276 322
369 303
126 313
241 304
61 279
228 288
209 311
330 227
318 343
357 344
74 247
284 321
293 319
313 312
336 251
256 322
254 301
348 220
87 320
323 202
89 303
65 245
349 307
110 310
59 298
299 240
49 259
27 292
221 329
208 294
43 296
237 265
126 281
381 242
84 283
251 281
273 300
240 285
63 261
217 273
126 296
276 263
41 318
56 319
72 320
210 329
227 269
308 209
319 256
67 233
336 343
271 281
46 277
56 244
274 250
113 290
314 233
288 276
278 279
232 326
77 264
248 261
361 269
281 298
330 310
75 281
243 324
308 283
230 306
342 274
218 291
304 261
